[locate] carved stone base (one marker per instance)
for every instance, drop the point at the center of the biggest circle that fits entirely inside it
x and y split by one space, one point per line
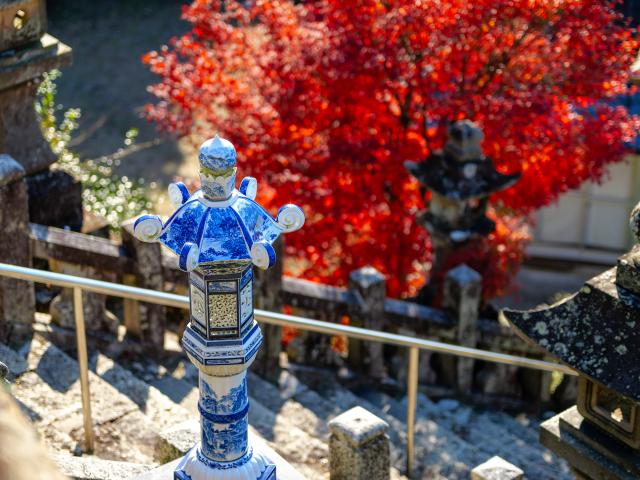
591 453
253 466
284 469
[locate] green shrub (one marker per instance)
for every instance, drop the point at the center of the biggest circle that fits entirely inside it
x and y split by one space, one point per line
104 193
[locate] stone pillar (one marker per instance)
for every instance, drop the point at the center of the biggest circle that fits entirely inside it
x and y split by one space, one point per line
500 379
146 321
224 411
268 296
461 298
359 446
536 388
55 200
17 297
368 289
96 316
497 468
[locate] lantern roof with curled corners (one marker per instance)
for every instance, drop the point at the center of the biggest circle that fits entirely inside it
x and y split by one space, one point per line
207 230
596 331
461 171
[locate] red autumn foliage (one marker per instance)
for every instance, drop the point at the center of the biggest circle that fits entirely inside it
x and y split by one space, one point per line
326 99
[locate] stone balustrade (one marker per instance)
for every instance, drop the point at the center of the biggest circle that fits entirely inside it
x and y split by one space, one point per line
129 262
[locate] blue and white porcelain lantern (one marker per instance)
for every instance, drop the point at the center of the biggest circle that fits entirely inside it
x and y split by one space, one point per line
219 233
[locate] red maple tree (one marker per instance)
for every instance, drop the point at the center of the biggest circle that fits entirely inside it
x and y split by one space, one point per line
326 99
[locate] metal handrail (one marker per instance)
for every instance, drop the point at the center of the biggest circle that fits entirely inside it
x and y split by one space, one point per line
180 301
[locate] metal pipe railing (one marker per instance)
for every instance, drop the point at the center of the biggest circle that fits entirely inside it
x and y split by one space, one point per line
309 324
83 364
180 301
412 400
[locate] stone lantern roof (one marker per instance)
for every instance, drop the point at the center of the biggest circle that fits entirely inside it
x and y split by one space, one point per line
596 331
461 171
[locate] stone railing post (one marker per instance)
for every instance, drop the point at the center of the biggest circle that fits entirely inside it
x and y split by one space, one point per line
368 289
219 233
96 315
461 297
359 446
497 468
17 298
146 321
267 288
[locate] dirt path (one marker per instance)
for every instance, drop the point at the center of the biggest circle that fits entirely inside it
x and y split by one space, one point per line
108 81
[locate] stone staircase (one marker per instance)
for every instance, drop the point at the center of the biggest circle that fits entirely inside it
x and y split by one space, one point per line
128 414
132 405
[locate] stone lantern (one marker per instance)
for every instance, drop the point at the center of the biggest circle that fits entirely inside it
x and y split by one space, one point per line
26 52
596 331
219 233
460 179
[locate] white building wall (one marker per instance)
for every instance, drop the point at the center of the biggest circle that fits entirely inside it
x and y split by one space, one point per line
595 216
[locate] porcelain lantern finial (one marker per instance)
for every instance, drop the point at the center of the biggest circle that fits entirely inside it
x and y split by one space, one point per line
217 168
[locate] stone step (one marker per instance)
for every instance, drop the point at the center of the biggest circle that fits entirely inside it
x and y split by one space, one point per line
299 404
438 451
498 435
284 413
161 410
522 426
484 433
498 438
307 453
491 432
180 440
296 402
49 393
180 404
313 410
292 415
89 467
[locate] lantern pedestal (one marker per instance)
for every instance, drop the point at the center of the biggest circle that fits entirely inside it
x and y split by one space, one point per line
591 453
224 451
194 466
222 340
285 470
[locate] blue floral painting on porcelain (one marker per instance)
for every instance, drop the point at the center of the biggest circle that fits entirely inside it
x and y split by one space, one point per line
219 223
219 233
